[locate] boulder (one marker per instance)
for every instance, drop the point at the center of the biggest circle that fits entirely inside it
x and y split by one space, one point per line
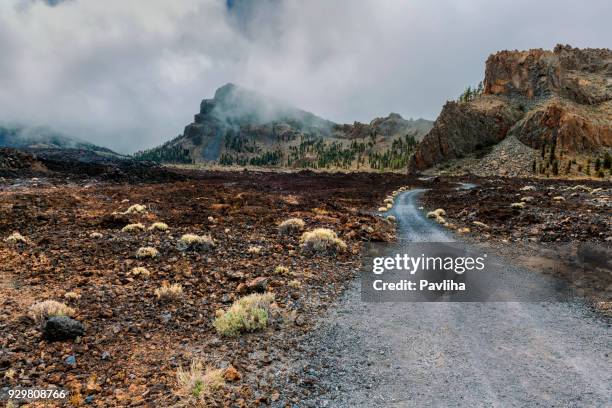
59 328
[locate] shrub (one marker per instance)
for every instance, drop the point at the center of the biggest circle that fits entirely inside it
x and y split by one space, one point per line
528 188
382 209
41 311
558 198
95 235
322 240
193 241
291 226
16 238
254 250
436 213
147 252
295 284
72 296
140 271
480 224
247 314
527 199
169 292
158 226
391 218
136 209
133 227
197 384
281 270
517 206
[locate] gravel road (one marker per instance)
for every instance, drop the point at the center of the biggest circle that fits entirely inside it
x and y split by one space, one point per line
408 354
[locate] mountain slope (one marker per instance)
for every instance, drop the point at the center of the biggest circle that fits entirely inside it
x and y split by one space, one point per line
34 138
239 126
558 103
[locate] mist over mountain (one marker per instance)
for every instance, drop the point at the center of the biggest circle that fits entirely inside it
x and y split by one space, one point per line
240 126
28 138
128 77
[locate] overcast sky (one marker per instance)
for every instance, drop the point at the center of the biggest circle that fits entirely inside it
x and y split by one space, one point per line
130 74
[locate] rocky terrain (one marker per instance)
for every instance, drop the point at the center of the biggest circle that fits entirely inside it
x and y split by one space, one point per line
143 305
75 249
557 103
560 227
242 127
78 164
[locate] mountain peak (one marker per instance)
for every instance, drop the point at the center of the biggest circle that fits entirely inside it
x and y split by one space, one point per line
225 90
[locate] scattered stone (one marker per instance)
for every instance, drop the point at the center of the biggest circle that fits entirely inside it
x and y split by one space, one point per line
59 328
231 374
70 361
259 284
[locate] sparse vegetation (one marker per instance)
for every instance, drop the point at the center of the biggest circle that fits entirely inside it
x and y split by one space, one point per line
41 311
322 240
158 226
195 242
438 215
281 270
140 271
196 384
254 250
133 227
294 284
16 238
147 252
136 209
247 314
167 293
291 226
469 94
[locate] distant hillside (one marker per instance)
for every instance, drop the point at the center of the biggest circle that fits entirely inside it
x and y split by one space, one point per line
552 109
241 127
35 138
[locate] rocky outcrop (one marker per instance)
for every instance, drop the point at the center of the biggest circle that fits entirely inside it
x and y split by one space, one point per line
14 163
561 98
572 127
462 128
579 75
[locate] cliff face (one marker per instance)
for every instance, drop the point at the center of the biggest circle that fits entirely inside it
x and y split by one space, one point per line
463 128
561 97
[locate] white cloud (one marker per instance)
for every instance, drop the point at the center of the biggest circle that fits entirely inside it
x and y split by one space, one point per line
130 74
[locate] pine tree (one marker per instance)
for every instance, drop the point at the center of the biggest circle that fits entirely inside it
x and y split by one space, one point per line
607 161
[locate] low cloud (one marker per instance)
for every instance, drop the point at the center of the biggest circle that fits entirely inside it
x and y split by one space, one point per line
130 74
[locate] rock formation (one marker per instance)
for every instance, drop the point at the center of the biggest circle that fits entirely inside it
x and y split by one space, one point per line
560 98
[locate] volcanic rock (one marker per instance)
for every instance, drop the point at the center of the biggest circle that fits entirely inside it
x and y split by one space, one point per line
59 328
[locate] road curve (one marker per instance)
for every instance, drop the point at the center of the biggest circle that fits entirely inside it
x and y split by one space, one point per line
408 354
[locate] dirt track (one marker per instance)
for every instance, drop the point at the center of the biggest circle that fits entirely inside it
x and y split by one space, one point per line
406 354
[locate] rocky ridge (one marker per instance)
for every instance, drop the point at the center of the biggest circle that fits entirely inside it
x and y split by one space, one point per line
559 100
